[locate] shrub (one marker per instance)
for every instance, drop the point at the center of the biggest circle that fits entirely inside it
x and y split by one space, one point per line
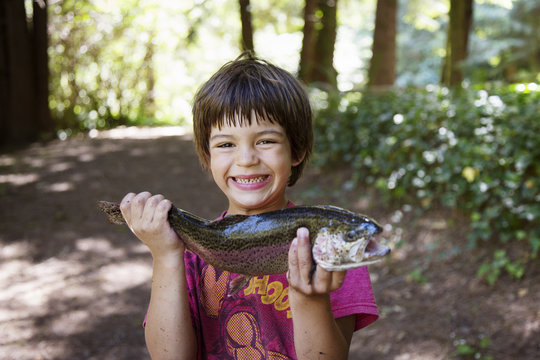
476 149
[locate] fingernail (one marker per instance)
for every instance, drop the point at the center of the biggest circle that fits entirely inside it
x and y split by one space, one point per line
303 232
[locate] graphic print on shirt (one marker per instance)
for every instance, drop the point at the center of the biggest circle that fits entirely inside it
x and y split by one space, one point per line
239 318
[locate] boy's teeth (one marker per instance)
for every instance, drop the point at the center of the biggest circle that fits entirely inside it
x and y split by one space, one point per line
250 180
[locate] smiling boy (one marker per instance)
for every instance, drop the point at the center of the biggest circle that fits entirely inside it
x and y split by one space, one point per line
252 127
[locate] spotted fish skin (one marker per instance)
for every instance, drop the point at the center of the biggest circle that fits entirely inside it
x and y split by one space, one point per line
257 245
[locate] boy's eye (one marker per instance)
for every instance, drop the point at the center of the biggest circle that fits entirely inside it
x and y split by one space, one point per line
266 141
225 145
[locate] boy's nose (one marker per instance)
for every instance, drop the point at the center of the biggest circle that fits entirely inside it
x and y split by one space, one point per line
246 156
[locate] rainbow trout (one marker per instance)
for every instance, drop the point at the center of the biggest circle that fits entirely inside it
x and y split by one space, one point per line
259 244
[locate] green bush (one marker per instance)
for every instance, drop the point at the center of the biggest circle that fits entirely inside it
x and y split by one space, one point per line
476 149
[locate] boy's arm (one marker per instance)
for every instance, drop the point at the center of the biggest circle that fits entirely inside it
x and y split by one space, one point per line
317 335
169 332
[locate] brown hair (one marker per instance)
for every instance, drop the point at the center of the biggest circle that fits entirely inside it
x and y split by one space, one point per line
250 84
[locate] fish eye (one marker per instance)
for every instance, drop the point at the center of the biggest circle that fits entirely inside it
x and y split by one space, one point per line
351 234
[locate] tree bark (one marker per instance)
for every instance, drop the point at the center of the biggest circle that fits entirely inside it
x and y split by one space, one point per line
382 67
308 41
461 14
18 77
4 109
323 70
247 27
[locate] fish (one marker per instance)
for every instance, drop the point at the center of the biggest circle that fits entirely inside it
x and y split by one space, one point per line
256 245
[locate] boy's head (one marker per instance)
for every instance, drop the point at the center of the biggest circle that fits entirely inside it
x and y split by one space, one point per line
248 85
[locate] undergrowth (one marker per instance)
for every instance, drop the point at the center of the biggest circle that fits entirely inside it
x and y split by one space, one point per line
477 150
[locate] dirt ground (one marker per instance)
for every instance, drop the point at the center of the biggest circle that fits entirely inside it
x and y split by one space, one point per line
75 287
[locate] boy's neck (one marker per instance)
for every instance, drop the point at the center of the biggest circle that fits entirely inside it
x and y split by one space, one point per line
236 211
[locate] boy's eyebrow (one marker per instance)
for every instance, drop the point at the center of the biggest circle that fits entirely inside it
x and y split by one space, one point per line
271 132
217 136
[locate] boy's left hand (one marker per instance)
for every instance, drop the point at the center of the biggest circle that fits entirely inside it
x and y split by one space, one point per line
300 267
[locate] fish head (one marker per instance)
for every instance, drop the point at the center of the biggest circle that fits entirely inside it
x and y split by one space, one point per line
348 246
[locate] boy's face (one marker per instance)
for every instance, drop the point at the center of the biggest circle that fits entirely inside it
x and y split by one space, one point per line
251 164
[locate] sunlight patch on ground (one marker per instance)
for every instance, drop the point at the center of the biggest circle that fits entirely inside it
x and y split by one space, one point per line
18 179
101 247
31 285
123 276
59 187
6 160
12 251
60 167
133 132
421 355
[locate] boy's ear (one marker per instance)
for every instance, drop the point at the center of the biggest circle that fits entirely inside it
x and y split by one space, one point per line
296 162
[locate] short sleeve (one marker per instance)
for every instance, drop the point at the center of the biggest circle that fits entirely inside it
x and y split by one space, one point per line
355 297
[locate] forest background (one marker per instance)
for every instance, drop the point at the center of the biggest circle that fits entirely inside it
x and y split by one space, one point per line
426 105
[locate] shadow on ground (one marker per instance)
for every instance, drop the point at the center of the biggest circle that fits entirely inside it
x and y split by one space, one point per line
75 287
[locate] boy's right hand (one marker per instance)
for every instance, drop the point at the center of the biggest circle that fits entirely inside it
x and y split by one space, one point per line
146 216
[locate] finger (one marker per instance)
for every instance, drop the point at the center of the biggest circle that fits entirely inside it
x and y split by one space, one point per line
322 280
138 203
338 277
293 261
305 258
125 205
162 210
150 207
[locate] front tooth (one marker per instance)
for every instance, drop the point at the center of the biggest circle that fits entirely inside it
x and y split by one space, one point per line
249 181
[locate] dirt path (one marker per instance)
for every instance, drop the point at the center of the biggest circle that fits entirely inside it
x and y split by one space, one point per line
75 287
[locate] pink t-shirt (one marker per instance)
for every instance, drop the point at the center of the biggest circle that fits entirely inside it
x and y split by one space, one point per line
256 322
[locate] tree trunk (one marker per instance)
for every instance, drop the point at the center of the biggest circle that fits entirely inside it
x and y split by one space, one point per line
247 27
4 114
45 125
308 41
461 13
18 77
382 67
323 70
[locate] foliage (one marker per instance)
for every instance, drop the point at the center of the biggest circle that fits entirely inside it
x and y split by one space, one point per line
504 41
133 62
141 61
472 149
472 351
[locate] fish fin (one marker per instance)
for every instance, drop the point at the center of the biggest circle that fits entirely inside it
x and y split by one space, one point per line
236 284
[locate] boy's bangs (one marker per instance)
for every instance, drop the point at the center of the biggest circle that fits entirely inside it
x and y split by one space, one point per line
238 108
237 118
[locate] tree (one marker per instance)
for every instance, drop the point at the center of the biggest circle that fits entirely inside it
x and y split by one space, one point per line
382 67
247 28
308 41
461 14
24 83
317 54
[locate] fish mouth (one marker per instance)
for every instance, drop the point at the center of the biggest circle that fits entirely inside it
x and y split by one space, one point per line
375 251
333 253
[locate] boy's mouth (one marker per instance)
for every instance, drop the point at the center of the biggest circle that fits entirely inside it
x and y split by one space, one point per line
250 179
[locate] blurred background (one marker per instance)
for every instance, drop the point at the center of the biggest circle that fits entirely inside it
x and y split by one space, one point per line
426 116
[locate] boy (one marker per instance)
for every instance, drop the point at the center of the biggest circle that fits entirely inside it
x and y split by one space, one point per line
252 128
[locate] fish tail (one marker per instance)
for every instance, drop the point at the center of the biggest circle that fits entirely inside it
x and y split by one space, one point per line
112 210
